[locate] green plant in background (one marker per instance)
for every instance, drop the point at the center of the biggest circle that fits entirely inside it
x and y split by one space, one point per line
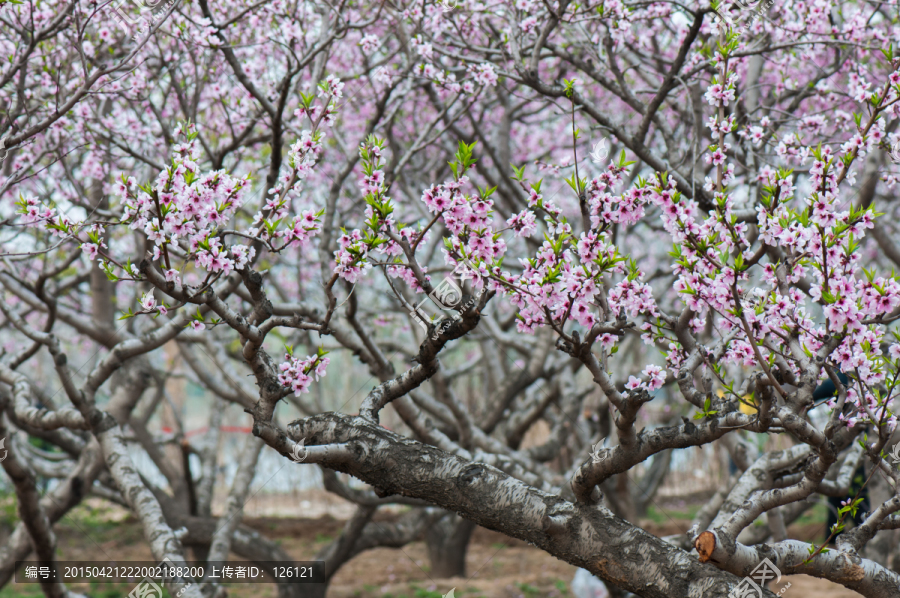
24 591
9 510
44 445
817 515
659 517
423 593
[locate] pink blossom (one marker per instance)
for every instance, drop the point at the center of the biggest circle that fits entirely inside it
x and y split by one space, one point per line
148 302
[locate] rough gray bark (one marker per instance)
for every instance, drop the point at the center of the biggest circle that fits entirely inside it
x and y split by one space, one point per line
246 543
208 458
102 289
108 433
32 514
885 547
447 542
586 536
471 451
221 541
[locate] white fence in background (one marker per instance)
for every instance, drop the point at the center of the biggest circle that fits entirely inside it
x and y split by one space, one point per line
274 473
692 471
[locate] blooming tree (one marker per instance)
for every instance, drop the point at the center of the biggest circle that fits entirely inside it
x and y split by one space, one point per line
401 183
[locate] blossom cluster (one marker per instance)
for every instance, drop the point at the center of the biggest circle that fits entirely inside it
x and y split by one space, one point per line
468 218
33 210
184 207
656 378
185 212
819 237
607 208
351 257
297 374
564 280
331 90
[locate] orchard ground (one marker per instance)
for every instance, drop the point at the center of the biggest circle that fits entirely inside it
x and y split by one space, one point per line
497 566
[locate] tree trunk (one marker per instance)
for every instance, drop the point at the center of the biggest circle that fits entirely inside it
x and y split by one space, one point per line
644 491
583 535
448 543
883 546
